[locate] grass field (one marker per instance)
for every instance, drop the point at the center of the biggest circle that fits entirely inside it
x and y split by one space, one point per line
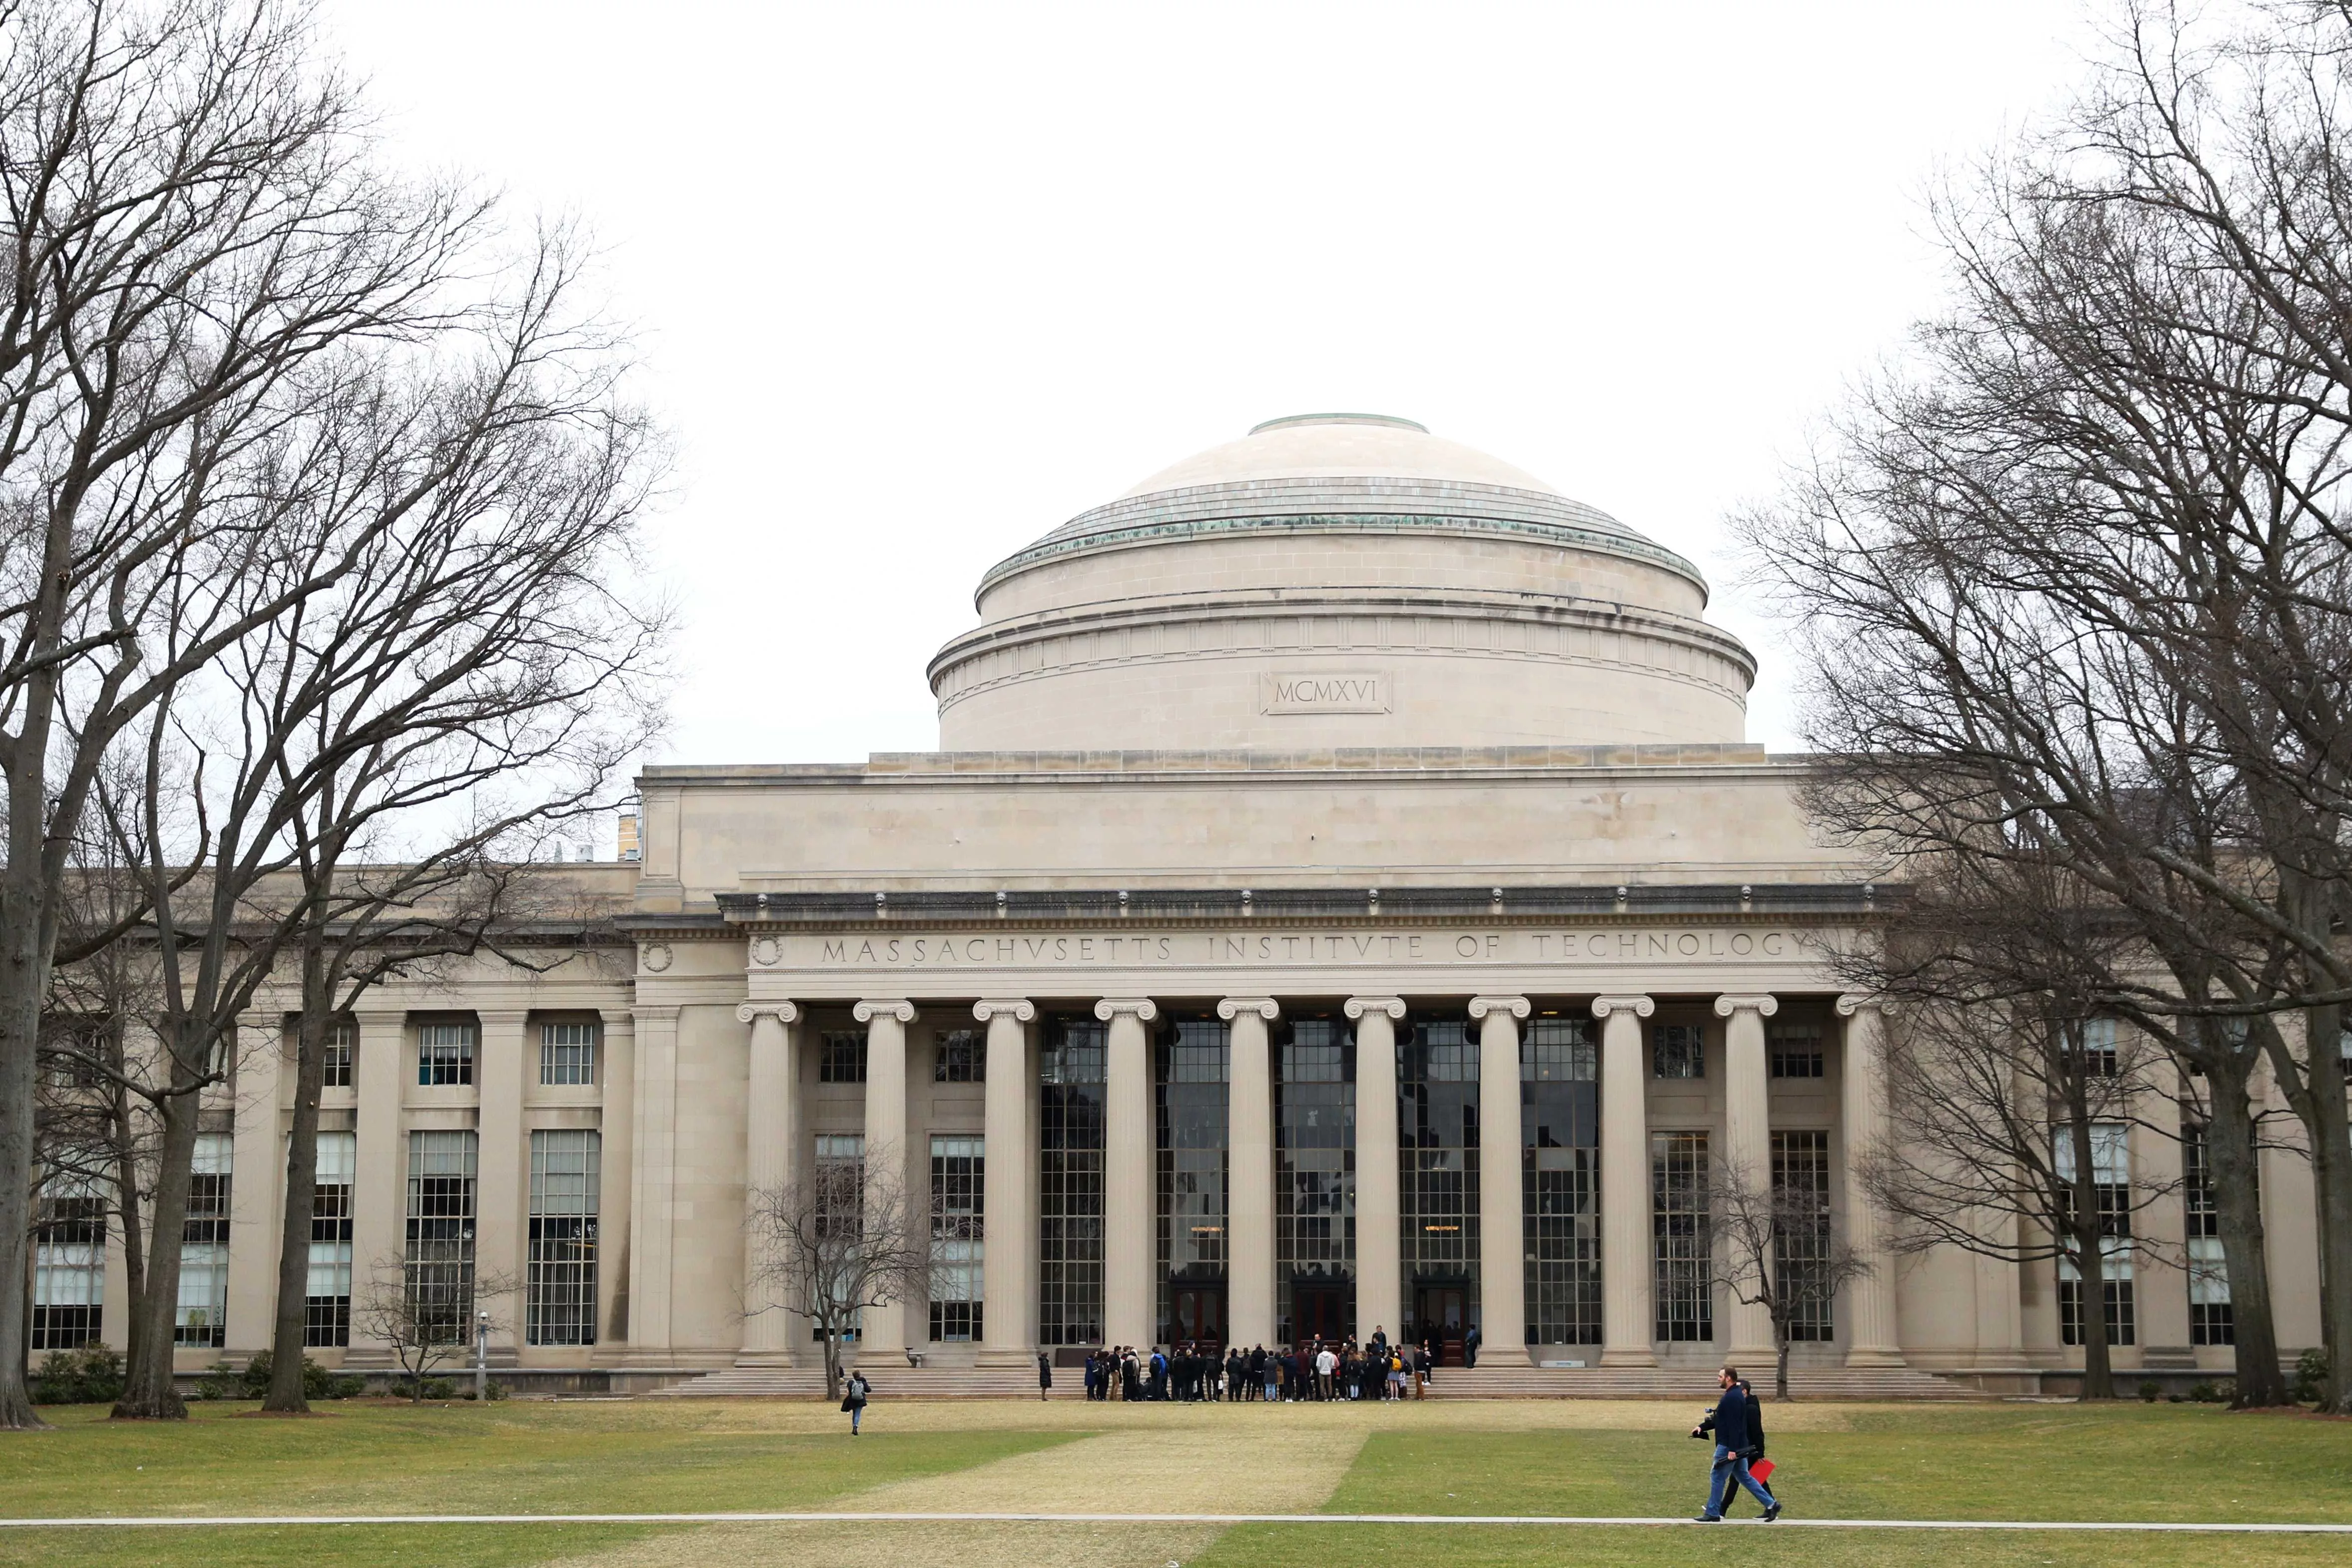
1992 1462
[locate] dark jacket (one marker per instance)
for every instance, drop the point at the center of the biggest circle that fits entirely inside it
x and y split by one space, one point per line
1733 1421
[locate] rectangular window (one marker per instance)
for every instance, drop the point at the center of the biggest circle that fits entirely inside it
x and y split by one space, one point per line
840 1197
841 1055
962 1058
445 1053
1437 1177
1682 1240
326 1298
341 1052
1677 1050
2111 1177
1560 1132
1801 1240
439 1263
68 1264
1189 1064
959 1237
567 1055
1795 1050
203 1248
1313 1173
2094 1039
560 1284
1070 1182
2210 1318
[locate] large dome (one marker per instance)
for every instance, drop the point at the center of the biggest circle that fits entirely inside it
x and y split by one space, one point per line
1340 580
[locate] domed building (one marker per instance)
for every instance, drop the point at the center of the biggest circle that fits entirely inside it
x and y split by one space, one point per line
1344 901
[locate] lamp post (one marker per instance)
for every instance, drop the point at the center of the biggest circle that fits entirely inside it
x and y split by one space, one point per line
481 1357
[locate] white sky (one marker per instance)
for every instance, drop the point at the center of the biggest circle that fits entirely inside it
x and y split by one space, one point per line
914 285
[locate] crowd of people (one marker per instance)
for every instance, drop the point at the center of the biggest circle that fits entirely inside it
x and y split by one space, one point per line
1311 1370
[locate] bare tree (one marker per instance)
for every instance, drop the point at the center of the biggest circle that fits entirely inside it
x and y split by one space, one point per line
1773 1248
424 1329
843 1240
193 225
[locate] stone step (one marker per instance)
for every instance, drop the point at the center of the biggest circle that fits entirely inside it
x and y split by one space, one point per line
1495 1380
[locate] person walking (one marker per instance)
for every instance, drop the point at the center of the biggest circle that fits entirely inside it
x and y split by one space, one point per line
1737 1439
1045 1375
854 1397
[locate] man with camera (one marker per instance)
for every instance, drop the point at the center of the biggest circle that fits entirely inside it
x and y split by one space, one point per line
1737 1440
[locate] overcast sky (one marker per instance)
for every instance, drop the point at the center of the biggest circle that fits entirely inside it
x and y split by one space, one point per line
914 285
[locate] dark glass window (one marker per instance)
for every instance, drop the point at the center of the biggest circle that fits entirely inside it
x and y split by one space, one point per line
1795 1050
1677 1050
1559 1205
1315 1161
959 1235
962 1058
1681 1238
327 1301
560 1273
1801 1240
2211 1320
1437 1131
68 1265
440 1254
342 1055
841 1055
1070 1182
445 1053
1190 1058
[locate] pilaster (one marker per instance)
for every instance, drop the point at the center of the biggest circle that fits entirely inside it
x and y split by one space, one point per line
653 1202
257 1183
502 1188
382 1072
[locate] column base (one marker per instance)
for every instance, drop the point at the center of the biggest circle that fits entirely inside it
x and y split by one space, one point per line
1003 1358
782 1359
1870 1355
1748 1357
1628 1356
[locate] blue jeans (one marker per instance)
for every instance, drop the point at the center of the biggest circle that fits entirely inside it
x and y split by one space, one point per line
1729 1466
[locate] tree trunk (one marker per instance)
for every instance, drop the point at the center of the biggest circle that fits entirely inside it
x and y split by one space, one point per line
2090 1264
2238 1209
2331 1161
24 980
1779 1361
831 1364
147 1391
284 1392
134 1235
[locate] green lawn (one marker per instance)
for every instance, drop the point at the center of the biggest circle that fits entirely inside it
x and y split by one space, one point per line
1989 1461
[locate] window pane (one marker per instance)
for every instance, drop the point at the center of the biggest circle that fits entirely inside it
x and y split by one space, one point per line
561 1271
567 1053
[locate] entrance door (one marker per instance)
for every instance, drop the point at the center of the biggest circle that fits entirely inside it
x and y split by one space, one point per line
1443 1312
1319 1312
1199 1310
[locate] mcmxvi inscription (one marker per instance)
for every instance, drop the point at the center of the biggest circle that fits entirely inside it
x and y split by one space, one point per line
1324 691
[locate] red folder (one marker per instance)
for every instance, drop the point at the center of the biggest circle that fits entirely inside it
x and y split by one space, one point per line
1762 1470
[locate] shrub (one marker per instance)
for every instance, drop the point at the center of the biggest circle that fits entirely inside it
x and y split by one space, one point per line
318 1382
440 1388
495 1389
2311 1376
90 1375
2174 1398
344 1385
221 1381
2205 1394
2148 1393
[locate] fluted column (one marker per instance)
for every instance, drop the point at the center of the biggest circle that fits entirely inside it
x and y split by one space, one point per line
1628 1315
769 1090
1128 1298
1009 1242
1379 1264
1872 1336
1747 1142
1502 1229
1249 1191
882 1333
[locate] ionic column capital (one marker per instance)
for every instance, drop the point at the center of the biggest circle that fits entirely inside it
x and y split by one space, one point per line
1356 1006
1854 1002
1517 1006
1763 1005
868 1011
781 1011
1640 1006
1265 1007
1143 1008
1019 1008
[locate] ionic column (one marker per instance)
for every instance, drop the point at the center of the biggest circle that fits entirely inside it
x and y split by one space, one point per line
1008 1256
1502 1226
771 1081
503 1152
1128 1232
1747 1142
882 1333
1249 1192
1872 1338
1628 1315
1379 1263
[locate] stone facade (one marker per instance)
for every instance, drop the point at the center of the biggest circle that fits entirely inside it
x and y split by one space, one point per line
1374 780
